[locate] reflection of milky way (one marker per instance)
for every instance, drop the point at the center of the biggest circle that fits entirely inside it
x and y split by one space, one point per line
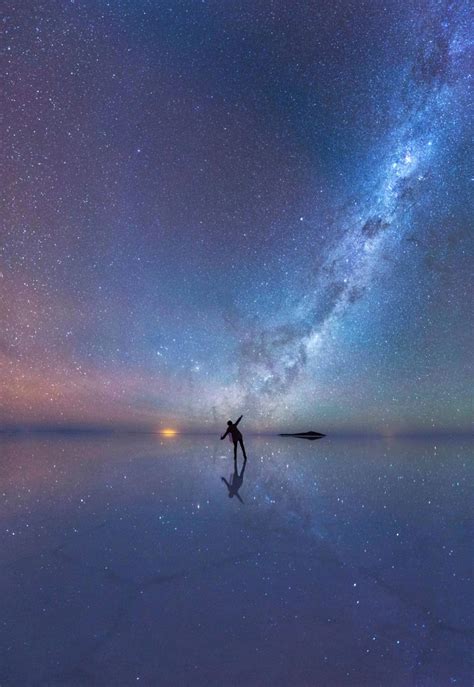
340 544
258 208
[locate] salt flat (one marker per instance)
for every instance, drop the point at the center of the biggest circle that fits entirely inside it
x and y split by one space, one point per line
124 561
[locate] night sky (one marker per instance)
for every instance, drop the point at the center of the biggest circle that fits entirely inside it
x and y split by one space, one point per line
213 208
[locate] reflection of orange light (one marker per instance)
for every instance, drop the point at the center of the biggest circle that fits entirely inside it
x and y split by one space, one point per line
168 432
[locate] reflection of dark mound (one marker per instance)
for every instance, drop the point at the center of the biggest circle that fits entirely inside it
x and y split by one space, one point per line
305 435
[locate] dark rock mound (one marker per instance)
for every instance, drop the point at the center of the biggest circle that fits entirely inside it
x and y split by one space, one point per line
305 435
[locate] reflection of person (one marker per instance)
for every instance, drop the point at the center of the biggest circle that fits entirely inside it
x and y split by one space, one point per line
236 481
236 436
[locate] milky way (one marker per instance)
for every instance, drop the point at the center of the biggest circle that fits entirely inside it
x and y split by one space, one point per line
214 209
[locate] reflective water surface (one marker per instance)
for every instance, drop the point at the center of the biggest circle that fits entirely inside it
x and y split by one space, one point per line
330 563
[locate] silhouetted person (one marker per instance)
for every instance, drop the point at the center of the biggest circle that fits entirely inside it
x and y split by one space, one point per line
236 481
236 436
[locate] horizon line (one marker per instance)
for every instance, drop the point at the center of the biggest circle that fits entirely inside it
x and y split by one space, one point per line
25 429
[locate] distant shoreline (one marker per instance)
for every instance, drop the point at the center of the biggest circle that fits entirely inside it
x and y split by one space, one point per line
25 431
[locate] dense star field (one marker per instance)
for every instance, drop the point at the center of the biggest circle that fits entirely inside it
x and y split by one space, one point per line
215 208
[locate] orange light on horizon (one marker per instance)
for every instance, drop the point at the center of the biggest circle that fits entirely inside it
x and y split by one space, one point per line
168 432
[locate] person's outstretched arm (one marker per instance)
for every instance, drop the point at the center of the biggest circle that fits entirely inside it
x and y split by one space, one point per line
224 435
236 423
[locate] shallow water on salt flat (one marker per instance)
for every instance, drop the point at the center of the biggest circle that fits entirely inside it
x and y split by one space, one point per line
124 561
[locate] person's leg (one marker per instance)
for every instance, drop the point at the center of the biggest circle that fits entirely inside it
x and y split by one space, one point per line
243 449
235 452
